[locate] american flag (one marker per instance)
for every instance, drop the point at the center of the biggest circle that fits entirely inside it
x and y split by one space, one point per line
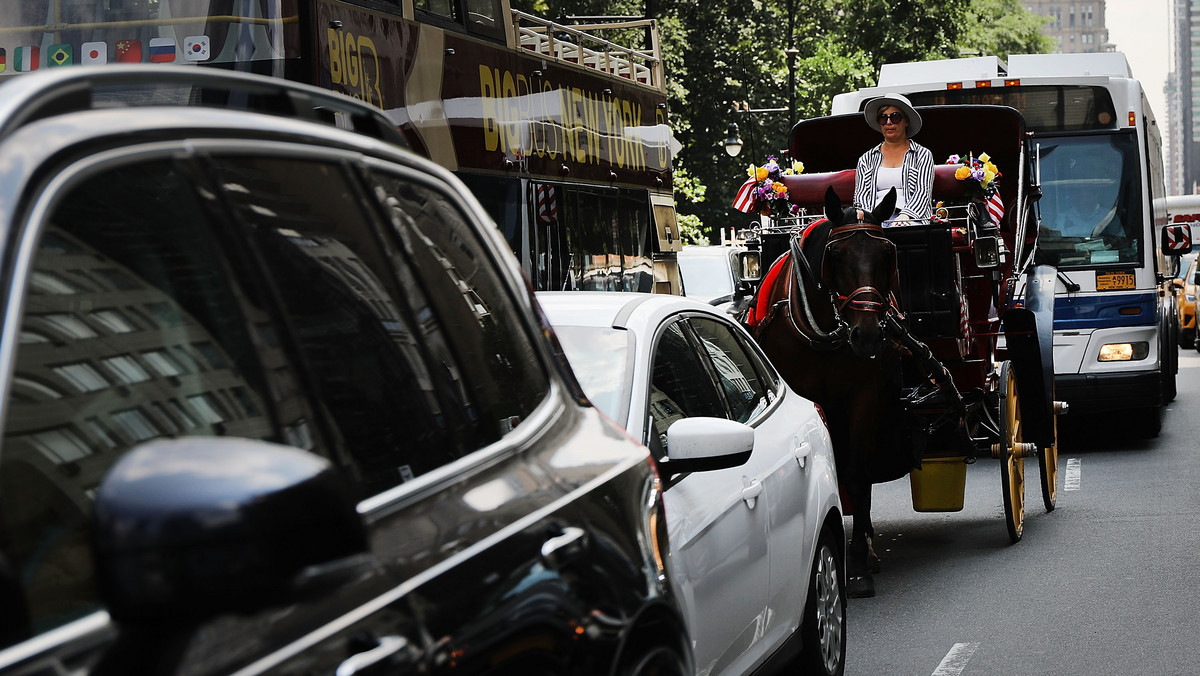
744 201
995 207
547 204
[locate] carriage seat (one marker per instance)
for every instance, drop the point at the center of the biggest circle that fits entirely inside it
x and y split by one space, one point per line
808 190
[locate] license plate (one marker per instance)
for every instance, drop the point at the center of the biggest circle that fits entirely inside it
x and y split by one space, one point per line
1114 281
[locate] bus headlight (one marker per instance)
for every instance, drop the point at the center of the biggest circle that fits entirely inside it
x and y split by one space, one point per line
1124 351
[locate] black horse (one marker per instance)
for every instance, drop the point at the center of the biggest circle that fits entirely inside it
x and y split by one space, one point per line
821 316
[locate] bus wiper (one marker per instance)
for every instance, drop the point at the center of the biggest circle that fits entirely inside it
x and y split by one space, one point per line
1072 287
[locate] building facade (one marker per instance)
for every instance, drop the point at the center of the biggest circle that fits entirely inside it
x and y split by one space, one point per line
1076 26
1183 87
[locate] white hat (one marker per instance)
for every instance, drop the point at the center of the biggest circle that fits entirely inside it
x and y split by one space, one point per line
898 100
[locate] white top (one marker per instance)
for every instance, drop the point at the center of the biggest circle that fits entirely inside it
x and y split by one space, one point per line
886 179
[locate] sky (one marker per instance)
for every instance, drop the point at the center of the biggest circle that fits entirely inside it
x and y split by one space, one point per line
1140 29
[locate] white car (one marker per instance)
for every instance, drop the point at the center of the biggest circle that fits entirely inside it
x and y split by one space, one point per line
756 550
720 275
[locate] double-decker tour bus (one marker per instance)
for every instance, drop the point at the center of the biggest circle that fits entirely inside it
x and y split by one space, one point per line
1099 158
559 130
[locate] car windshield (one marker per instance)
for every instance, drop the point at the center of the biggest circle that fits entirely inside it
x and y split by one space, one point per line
706 277
1091 203
599 356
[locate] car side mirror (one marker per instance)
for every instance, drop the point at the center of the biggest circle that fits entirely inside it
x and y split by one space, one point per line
1176 239
702 444
186 529
1196 277
749 266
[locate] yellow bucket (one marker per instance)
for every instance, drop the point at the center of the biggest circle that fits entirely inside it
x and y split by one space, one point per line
940 484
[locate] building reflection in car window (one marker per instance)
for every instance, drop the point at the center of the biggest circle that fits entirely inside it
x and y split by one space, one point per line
143 337
680 385
743 389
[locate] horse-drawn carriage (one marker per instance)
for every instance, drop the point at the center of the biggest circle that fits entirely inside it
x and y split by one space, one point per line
929 344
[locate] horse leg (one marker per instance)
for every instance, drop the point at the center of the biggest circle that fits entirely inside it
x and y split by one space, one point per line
859 583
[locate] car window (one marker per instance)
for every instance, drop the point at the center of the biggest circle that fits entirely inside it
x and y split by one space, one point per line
414 372
132 329
680 386
599 357
740 382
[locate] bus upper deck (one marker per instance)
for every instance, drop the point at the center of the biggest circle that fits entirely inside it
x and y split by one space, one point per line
560 130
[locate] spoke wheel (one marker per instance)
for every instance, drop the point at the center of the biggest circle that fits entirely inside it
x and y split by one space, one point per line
1048 461
823 630
1012 466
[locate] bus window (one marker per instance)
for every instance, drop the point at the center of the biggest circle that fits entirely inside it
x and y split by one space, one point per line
1091 202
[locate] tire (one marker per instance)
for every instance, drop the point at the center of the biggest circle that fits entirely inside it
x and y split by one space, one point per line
658 661
823 630
1012 465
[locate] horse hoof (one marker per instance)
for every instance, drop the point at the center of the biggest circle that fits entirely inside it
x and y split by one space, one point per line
860 587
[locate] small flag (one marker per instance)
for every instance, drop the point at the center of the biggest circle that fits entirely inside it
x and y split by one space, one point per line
60 55
25 59
162 50
547 204
195 48
3 60
744 201
93 53
995 208
129 51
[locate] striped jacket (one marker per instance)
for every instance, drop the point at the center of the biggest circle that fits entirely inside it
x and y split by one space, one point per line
918 180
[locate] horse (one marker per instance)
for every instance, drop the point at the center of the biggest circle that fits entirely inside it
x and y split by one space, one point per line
819 318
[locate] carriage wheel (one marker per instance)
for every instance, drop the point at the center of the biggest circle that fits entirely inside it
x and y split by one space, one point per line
1048 461
1012 465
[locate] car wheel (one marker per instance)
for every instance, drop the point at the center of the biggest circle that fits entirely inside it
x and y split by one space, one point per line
823 631
658 661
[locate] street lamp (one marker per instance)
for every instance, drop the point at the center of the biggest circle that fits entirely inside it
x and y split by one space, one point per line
733 142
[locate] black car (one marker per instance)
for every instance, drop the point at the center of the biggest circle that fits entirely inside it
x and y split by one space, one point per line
277 400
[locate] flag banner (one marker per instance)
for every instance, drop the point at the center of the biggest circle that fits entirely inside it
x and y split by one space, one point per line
129 51
25 59
195 48
3 60
60 55
93 53
995 208
744 201
162 50
547 204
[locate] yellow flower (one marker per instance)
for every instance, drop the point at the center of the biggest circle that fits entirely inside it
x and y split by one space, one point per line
761 174
797 167
779 188
983 157
987 177
751 171
962 173
988 166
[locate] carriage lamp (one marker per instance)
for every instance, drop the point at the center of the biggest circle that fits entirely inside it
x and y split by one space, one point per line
733 142
1124 351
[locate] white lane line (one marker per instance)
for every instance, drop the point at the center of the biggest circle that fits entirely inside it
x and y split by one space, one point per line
1074 467
956 660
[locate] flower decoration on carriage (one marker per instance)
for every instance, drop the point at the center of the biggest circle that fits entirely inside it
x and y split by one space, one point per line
979 170
764 191
983 177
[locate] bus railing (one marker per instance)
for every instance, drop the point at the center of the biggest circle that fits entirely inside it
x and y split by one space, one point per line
578 44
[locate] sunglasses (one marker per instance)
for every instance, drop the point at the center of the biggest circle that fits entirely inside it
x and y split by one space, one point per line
894 117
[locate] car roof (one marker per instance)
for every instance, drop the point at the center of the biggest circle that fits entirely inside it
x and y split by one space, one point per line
618 309
712 250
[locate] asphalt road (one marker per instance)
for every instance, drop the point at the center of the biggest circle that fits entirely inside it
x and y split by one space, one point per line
1105 584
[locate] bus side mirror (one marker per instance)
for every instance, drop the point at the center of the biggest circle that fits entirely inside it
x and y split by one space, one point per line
1176 239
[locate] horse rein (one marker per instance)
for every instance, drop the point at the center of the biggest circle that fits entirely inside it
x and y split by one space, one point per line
862 299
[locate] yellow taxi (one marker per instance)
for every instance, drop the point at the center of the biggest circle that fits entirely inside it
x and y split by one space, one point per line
1186 282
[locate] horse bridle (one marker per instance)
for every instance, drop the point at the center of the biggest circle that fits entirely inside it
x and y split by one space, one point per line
863 299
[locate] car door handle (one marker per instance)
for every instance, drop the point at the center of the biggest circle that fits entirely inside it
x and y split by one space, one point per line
558 549
388 647
801 449
752 491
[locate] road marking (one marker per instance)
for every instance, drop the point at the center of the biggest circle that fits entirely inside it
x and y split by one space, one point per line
1074 467
956 660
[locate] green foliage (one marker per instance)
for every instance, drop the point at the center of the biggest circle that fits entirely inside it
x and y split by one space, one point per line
715 54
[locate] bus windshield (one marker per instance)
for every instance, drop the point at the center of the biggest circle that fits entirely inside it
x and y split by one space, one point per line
1091 203
51 33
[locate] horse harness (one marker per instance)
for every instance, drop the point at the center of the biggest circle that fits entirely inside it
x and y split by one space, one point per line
867 298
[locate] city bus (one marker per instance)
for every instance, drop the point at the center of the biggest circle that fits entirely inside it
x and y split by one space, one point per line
560 130
1098 154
